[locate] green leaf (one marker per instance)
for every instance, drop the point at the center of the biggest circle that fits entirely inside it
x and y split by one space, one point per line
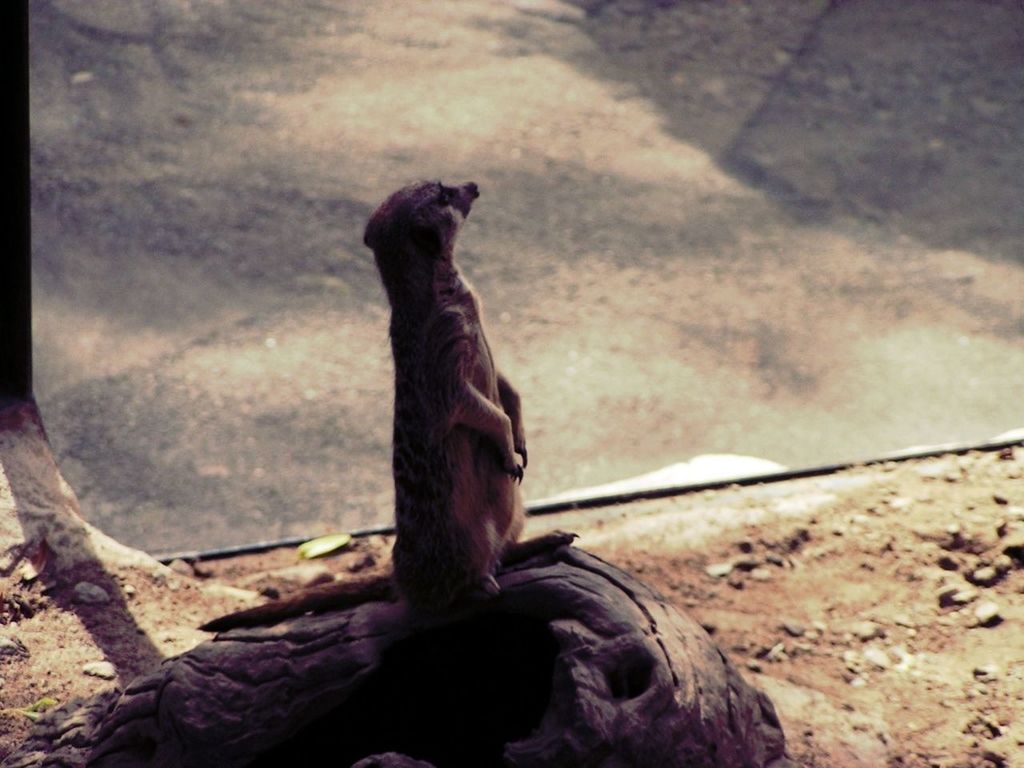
33 711
323 545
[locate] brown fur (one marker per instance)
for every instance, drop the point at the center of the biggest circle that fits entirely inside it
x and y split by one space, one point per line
457 422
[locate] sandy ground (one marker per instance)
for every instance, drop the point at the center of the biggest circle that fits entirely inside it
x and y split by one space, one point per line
858 601
784 229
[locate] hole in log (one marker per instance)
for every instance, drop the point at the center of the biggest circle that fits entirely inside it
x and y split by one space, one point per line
632 679
453 696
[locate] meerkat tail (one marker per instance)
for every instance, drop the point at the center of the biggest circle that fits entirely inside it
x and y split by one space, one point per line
318 599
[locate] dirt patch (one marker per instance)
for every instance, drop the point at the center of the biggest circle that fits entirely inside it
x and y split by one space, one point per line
881 607
898 602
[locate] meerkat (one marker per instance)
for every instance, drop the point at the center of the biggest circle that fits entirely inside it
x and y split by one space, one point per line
459 446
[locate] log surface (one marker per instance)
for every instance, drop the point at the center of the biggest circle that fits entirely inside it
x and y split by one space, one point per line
575 663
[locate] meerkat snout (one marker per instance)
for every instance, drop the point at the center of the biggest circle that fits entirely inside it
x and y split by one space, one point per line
463 197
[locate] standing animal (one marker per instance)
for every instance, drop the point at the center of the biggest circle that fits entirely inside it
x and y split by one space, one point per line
458 429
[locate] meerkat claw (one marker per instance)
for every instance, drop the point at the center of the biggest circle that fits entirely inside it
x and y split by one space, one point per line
521 450
489 586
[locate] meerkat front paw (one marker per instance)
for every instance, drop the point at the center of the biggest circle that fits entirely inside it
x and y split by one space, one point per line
520 445
515 471
510 463
521 551
560 538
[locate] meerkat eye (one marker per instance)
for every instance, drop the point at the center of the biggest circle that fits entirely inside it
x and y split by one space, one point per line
445 195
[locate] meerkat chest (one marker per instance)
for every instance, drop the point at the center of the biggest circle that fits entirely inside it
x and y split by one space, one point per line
463 320
484 370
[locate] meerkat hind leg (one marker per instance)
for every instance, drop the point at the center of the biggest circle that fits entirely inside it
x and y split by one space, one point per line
520 551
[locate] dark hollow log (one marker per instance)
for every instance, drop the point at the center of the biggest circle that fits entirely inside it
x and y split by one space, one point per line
574 664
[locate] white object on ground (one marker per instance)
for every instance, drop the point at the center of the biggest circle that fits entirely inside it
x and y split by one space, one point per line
706 468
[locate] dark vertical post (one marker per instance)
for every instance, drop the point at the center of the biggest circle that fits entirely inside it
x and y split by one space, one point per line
15 226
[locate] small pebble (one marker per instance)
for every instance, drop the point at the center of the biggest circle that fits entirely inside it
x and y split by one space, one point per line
987 614
776 653
718 570
984 577
931 471
101 669
951 594
867 630
12 646
88 593
987 673
1003 564
793 629
904 659
761 574
877 657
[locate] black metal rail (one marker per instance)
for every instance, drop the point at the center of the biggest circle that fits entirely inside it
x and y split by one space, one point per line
555 505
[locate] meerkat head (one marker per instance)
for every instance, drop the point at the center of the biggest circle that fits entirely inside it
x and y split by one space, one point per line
420 220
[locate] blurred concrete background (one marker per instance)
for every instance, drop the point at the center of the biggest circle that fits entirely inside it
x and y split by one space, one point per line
787 229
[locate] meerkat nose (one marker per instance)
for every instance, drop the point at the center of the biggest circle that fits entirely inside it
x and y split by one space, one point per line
473 189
